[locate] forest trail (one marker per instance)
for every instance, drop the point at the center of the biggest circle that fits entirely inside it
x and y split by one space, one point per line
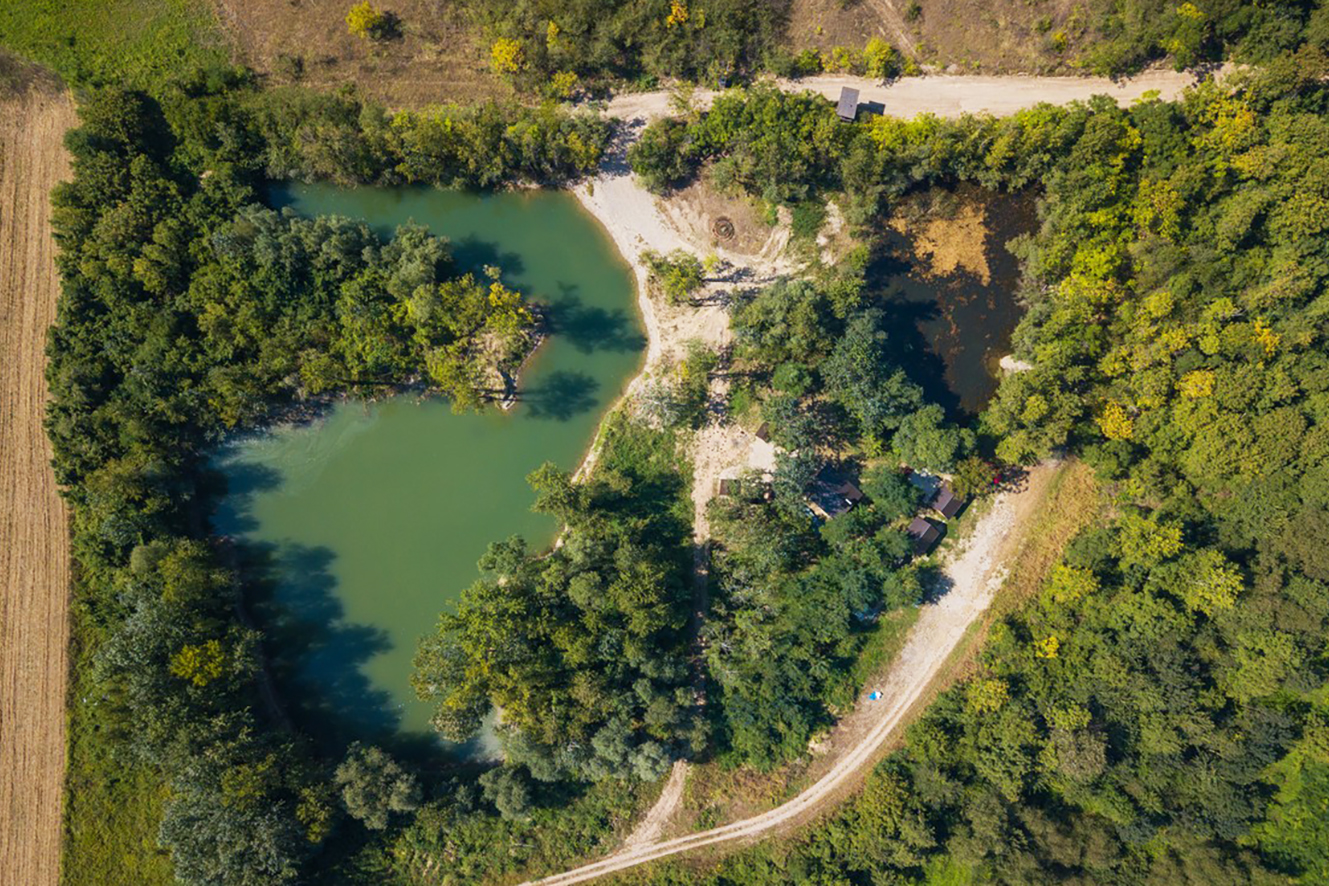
34 548
945 95
972 574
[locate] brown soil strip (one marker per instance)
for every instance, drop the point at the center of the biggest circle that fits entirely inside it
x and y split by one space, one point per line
34 549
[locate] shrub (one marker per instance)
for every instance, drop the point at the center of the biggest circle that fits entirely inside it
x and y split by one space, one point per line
365 21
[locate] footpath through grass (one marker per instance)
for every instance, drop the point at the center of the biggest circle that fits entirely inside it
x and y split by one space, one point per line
96 42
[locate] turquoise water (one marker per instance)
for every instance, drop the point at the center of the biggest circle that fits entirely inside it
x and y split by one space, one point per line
369 521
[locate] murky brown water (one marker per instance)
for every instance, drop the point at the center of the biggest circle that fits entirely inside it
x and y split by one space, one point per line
955 327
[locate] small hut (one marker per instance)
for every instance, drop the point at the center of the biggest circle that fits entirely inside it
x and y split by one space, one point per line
847 109
764 432
832 494
924 534
947 503
728 486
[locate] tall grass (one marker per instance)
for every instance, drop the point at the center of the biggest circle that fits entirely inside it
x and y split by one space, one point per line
98 42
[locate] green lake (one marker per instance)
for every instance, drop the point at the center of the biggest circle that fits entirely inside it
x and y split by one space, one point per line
369 520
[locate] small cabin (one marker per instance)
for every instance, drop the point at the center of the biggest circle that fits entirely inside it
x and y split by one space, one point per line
924 534
847 108
764 432
832 494
728 486
947 503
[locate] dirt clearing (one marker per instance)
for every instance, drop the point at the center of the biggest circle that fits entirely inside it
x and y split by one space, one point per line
34 550
998 37
432 56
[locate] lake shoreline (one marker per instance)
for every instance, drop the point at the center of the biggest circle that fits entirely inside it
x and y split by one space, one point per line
329 488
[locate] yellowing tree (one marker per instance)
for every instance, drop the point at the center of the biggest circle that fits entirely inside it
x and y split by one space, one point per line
678 13
563 83
1265 337
1212 583
1197 384
506 56
1116 422
987 696
880 59
364 21
199 665
1068 584
1147 541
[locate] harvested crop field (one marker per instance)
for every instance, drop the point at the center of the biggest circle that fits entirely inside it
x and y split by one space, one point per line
34 550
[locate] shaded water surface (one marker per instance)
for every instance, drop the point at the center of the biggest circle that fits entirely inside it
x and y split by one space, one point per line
368 522
955 327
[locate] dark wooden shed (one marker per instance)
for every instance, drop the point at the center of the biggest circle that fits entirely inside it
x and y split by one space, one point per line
924 534
947 503
764 432
847 109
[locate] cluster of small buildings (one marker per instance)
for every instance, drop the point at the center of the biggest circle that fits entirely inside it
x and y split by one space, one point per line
926 533
833 493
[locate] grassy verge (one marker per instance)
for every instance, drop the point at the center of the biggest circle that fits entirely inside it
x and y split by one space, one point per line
96 42
112 807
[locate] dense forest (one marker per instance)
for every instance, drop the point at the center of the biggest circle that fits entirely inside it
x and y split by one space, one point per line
1157 714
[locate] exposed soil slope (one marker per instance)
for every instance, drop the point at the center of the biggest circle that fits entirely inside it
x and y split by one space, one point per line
34 550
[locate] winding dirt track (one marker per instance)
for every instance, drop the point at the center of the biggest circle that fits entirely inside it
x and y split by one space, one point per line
34 549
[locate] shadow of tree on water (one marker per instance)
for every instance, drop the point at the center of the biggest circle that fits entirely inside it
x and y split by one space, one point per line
590 329
561 396
316 656
474 255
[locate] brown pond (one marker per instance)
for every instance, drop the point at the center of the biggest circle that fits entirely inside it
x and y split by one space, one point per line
950 285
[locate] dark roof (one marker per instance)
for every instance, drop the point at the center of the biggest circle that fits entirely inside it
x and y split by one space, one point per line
924 534
764 431
728 486
833 493
947 503
848 106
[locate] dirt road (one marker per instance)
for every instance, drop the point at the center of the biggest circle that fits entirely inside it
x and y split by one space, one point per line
974 572
945 95
34 550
